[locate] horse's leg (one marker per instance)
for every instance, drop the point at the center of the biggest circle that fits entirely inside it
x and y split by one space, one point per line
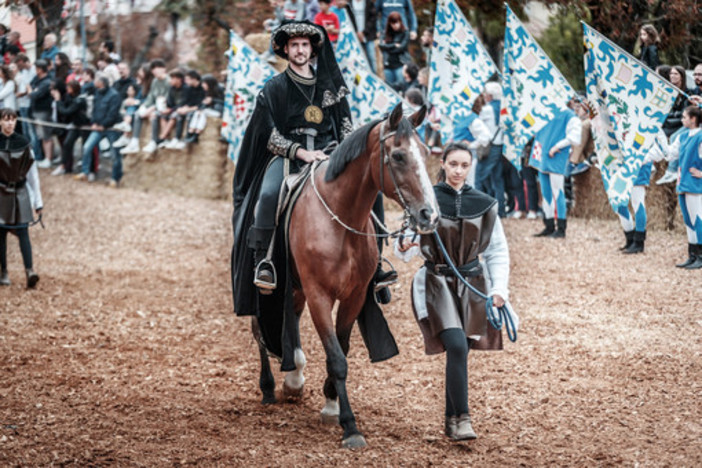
336 346
266 381
295 380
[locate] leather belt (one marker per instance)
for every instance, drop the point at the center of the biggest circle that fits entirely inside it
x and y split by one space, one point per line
12 186
471 269
310 133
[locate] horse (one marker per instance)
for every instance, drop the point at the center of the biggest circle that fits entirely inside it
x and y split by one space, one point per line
334 251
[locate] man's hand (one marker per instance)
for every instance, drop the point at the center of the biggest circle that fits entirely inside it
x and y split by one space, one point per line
413 35
361 37
552 152
310 156
696 172
405 244
696 99
97 128
56 94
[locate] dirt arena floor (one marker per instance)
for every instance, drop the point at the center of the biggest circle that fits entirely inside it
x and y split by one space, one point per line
128 353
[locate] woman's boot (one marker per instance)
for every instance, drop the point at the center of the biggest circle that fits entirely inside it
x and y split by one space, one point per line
32 278
4 278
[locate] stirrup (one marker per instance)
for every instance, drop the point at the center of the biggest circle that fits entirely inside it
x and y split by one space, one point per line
385 278
265 287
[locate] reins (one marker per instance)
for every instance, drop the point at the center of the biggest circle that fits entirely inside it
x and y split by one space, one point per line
496 320
384 161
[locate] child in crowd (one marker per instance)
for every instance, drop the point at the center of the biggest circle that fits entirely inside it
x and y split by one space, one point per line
328 20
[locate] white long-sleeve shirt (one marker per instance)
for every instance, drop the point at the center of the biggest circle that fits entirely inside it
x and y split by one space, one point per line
495 256
34 187
487 115
573 134
8 100
480 132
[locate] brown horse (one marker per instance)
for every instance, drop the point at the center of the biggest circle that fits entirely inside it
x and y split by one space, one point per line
334 261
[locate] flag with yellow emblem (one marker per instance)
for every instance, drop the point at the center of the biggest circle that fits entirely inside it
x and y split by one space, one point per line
533 89
246 75
370 97
631 102
460 66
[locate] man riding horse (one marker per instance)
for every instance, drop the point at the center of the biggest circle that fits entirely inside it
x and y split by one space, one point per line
300 115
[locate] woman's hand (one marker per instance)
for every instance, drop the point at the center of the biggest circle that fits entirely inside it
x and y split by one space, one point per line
497 300
404 244
696 172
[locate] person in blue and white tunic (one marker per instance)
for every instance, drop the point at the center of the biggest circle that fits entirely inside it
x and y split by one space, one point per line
550 156
450 317
472 131
689 150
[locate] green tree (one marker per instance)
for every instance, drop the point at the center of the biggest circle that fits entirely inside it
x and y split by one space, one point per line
562 41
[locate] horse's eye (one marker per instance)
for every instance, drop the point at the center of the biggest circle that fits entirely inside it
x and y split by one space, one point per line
398 156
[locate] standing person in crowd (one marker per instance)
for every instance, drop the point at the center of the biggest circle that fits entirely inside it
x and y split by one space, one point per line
154 102
427 41
293 10
402 7
107 47
450 317
311 10
365 21
105 115
20 195
8 98
550 156
76 71
649 39
688 149
673 122
62 67
40 98
72 109
25 75
696 92
13 39
473 132
394 46
410 73
88 81
49 48
212 106
108 68
328 20
488 172
194 96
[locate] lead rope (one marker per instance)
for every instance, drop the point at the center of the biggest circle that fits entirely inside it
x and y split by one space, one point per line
496 320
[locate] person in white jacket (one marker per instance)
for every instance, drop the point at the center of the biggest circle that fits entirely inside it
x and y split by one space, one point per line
451 318
20 194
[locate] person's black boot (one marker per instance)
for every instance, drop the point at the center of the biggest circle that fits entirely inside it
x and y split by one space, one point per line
697 264
548 230
690 257
560 232
637 246
629 239
32 278
264 274
4 278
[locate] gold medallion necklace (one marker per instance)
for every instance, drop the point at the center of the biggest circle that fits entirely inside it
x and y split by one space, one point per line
312 113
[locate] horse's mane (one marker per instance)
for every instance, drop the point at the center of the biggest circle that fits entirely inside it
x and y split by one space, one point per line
352 147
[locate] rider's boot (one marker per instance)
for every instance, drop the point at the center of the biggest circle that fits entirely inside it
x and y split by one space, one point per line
264 276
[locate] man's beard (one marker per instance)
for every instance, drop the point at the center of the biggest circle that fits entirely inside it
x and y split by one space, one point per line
299 60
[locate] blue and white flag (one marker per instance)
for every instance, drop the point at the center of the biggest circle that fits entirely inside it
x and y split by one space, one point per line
631 102
370 97
246 75
533 90
460 66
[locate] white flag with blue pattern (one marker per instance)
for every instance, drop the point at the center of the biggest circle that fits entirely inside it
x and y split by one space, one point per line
460 65
533 89
246 75
371 97
631 102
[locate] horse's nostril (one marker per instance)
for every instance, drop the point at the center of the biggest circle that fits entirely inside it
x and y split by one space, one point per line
426 214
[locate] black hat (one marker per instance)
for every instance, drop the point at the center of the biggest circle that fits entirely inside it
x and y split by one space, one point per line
291 29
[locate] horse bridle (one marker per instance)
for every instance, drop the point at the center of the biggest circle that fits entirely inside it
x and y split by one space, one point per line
384 161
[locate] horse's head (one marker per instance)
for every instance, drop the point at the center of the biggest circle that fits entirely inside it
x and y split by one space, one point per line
403 174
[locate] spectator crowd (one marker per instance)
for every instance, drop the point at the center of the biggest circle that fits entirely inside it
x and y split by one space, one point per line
102 104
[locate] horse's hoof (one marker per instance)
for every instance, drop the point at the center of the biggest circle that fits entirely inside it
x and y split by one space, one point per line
269 400
353 442
292 394
330 419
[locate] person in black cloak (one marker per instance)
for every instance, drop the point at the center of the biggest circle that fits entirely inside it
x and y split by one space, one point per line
300 115
20 194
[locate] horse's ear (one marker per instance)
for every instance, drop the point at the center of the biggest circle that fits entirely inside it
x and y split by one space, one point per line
395 117
417 118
